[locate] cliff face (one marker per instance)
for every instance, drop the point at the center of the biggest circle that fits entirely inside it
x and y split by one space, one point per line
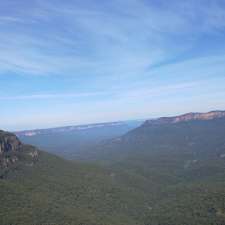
199 116
9 142
14 154
188 117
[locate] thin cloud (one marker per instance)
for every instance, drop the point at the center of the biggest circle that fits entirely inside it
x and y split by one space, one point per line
140 32
51 96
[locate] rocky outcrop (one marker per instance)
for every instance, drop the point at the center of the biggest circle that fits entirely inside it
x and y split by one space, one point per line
14 154
188 117
9 142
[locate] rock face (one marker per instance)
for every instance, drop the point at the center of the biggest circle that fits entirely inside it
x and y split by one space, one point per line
14 154
9 142
188 117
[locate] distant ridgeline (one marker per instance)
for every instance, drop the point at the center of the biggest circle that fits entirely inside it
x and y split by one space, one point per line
193 134
187 117
13 153
70 141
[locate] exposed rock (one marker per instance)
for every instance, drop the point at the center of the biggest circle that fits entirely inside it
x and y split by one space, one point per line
9 142
14 154
187 117
33 154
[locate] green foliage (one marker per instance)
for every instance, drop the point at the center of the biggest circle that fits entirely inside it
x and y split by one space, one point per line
157 175
56 191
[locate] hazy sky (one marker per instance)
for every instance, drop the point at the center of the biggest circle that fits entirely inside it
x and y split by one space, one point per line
80 61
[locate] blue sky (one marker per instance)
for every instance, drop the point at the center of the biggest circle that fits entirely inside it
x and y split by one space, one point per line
83 61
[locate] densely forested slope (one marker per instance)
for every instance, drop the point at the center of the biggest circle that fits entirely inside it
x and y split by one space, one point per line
182 164
56 191
193 140
60 192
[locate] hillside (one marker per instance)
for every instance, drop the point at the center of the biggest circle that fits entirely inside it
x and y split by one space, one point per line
170 173
56 191
60 192
193 135
183 162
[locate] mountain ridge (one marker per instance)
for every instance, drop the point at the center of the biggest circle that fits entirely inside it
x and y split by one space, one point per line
195 133
33 132
187 117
